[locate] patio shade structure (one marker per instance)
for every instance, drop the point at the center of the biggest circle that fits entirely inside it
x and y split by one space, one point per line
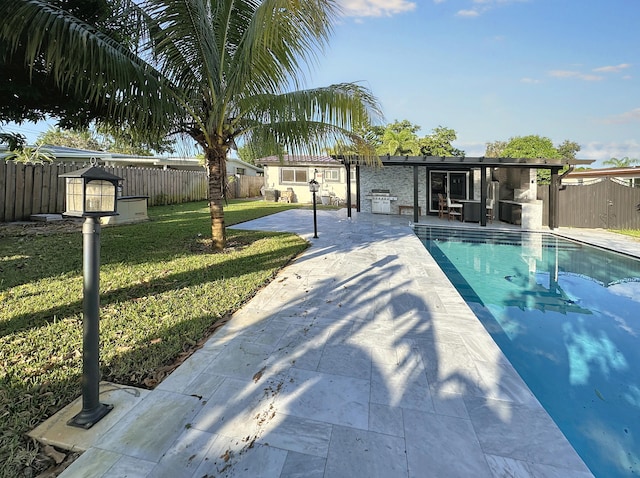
461 163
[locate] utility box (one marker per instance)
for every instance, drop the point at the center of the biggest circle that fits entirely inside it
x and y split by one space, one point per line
271 195
130 209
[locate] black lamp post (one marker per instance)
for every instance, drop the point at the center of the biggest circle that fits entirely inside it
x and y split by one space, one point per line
91 193
314 187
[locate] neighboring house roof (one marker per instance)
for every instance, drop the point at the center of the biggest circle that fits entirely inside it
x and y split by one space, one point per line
63 153
302 160
605 172
236 162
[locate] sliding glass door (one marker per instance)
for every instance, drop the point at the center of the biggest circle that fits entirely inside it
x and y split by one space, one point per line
451 183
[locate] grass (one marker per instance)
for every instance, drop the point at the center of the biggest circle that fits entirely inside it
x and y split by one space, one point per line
161 293
629 232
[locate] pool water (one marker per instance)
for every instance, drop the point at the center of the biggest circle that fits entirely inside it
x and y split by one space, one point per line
567 316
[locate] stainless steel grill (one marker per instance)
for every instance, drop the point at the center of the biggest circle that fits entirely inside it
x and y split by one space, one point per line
381 201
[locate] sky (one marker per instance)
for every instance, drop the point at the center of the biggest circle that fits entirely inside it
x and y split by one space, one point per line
493 69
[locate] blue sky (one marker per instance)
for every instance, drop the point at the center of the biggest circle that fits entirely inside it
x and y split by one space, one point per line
494 69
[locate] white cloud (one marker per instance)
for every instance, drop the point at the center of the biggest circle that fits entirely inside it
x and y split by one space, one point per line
631 116
483 6
531 81
376 8
612 68
468 13
574 74
605 151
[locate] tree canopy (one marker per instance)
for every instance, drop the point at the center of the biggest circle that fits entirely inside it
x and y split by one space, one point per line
621 162
216 71
533 146
28 90
401 138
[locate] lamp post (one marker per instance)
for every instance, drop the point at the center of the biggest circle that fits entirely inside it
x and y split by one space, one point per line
91 193
314 187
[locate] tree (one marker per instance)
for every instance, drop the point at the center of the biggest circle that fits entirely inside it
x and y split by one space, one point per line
20 152
32 94
438 143
568 149
495 149
621 163
213 70
399 138
71 138
531 146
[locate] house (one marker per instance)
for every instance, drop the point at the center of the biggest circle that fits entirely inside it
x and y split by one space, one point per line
241 168
629 176
63 154
293 173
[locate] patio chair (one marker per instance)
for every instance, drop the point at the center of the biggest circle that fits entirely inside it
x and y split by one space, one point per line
454 209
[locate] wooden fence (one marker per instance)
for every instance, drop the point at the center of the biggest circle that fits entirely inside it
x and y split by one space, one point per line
27 189
244 186
603 204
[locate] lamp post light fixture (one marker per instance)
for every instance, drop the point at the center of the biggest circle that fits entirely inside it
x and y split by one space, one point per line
314 187
91 193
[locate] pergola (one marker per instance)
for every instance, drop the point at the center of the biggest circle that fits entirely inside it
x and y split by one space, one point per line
461 163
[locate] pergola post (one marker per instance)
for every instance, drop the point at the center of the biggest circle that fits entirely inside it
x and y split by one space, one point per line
358 187
553 199
416 210
347 165
483 195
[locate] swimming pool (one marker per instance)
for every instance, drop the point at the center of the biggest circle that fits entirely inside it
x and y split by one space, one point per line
567 316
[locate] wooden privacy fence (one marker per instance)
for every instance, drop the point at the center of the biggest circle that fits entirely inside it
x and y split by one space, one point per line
244 186
27 189
603 204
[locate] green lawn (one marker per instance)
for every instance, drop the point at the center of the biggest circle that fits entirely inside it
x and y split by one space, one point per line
629 232
162 291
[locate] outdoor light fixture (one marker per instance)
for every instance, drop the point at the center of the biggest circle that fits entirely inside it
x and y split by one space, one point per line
314 187
91 193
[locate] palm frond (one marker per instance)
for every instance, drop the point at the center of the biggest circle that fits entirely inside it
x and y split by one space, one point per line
310 121
88 62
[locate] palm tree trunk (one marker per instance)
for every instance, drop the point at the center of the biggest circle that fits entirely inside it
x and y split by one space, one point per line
215 160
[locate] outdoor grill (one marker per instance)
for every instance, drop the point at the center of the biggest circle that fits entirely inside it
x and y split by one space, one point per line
381 201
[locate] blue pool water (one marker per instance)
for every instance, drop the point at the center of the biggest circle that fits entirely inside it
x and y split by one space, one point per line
567 316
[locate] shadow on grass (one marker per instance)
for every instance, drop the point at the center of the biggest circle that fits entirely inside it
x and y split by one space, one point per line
173 231
229 268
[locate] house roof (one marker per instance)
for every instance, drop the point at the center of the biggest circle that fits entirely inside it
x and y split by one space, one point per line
449 162
63 153
244 164
462 162
606 172
322 160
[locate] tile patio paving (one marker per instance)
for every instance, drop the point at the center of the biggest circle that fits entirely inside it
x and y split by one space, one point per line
359 360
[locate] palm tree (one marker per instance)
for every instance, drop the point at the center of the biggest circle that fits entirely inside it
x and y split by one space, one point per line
621 163
214 70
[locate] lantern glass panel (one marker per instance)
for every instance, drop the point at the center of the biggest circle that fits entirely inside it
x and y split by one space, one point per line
75 195
100 196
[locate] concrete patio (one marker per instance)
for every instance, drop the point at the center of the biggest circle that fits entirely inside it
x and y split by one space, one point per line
359 360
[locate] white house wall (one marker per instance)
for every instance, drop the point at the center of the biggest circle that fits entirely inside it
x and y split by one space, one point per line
301 190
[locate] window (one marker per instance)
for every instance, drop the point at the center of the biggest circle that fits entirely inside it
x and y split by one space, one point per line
352 174
240 171
293 175
332 175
